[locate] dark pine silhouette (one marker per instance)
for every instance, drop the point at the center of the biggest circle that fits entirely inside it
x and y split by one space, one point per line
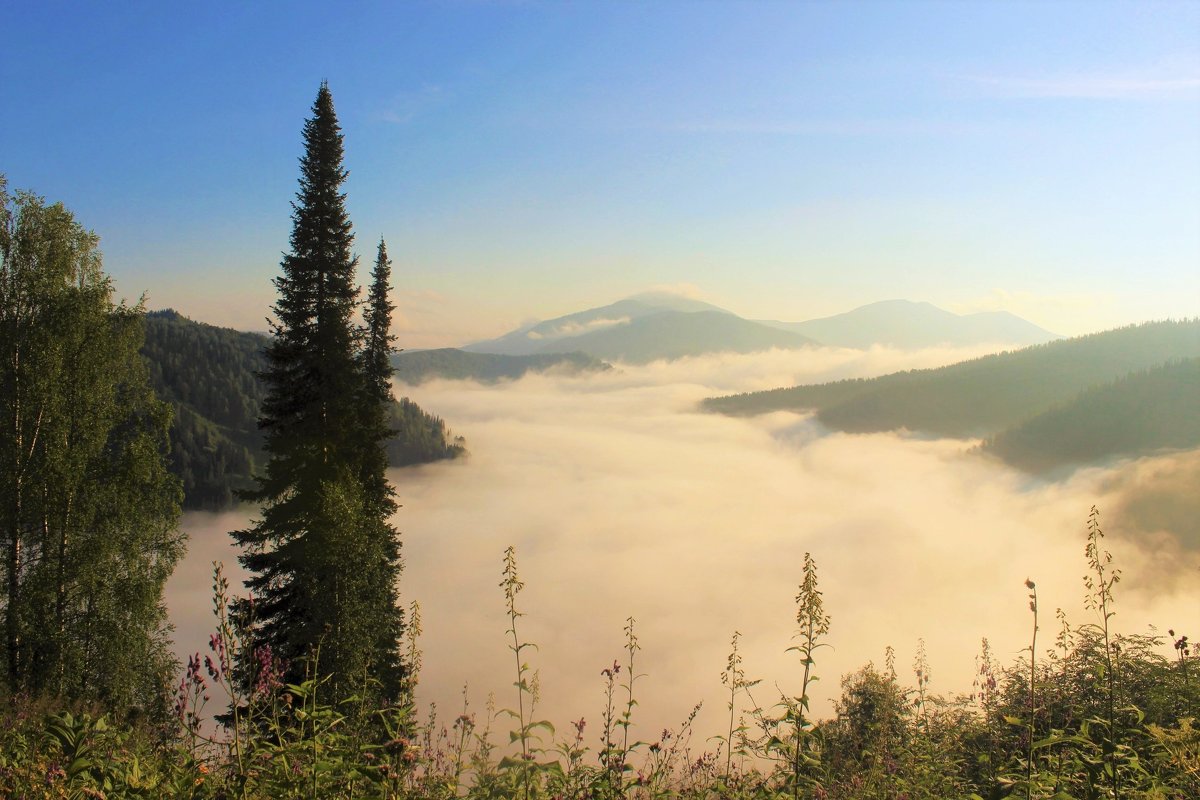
322 556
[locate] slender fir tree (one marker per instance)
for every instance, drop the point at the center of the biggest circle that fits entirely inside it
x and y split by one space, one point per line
379 345
384 540
321 557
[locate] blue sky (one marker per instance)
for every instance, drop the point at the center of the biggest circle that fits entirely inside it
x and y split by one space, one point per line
525 160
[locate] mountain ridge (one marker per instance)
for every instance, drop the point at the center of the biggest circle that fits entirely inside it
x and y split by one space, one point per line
620 330
1145 412
909 324
980 396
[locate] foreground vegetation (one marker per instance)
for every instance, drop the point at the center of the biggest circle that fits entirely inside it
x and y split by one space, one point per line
1085 713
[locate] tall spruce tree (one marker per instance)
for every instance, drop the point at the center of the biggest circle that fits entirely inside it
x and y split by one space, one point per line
88 511
323 557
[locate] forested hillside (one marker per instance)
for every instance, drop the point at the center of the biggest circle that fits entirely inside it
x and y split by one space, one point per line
1145 411
417 366
985 395
209 375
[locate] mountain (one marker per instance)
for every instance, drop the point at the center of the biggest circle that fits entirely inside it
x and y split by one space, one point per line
982 396
555 335
622 330
676 334
1146 411
908 325
643 328
414 367
209 375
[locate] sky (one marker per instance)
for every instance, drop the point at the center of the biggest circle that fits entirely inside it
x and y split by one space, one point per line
526 160
622 500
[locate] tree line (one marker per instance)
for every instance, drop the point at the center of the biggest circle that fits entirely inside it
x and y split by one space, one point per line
984 396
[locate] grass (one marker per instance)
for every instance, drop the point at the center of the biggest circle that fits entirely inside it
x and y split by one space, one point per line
1097 715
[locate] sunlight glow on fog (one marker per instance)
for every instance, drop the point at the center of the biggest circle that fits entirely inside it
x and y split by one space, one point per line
622 501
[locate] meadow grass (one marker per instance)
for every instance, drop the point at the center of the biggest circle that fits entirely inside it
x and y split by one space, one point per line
1098 715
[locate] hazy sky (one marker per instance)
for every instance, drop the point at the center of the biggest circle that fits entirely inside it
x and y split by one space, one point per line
623 501
526 159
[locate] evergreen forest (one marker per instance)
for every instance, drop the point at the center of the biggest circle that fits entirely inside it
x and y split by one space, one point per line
116 419
417 366
1119 393
210 376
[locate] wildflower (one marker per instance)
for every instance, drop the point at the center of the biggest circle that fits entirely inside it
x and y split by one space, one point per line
55 773
213 672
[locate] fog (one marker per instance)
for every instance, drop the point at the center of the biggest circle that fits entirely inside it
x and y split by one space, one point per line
622 500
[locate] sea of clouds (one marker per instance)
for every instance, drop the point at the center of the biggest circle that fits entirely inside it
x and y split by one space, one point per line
623 500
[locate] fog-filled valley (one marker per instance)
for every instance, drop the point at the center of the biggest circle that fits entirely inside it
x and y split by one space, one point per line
623 499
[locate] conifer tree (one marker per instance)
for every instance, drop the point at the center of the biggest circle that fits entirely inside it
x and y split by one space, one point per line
320 556
384 540
378 348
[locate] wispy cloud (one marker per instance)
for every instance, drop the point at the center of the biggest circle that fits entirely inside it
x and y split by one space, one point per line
1060 312
1147 85
829 127
420 298
576 328
407 105
688 290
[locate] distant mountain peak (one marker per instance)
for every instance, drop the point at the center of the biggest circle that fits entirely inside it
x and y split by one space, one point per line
672 301
914 324
570 328
661 324
640 328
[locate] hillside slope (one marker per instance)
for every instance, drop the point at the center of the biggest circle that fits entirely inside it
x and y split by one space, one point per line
985 395
209 375
417 366
1144 412
677 334
554 335
643 328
